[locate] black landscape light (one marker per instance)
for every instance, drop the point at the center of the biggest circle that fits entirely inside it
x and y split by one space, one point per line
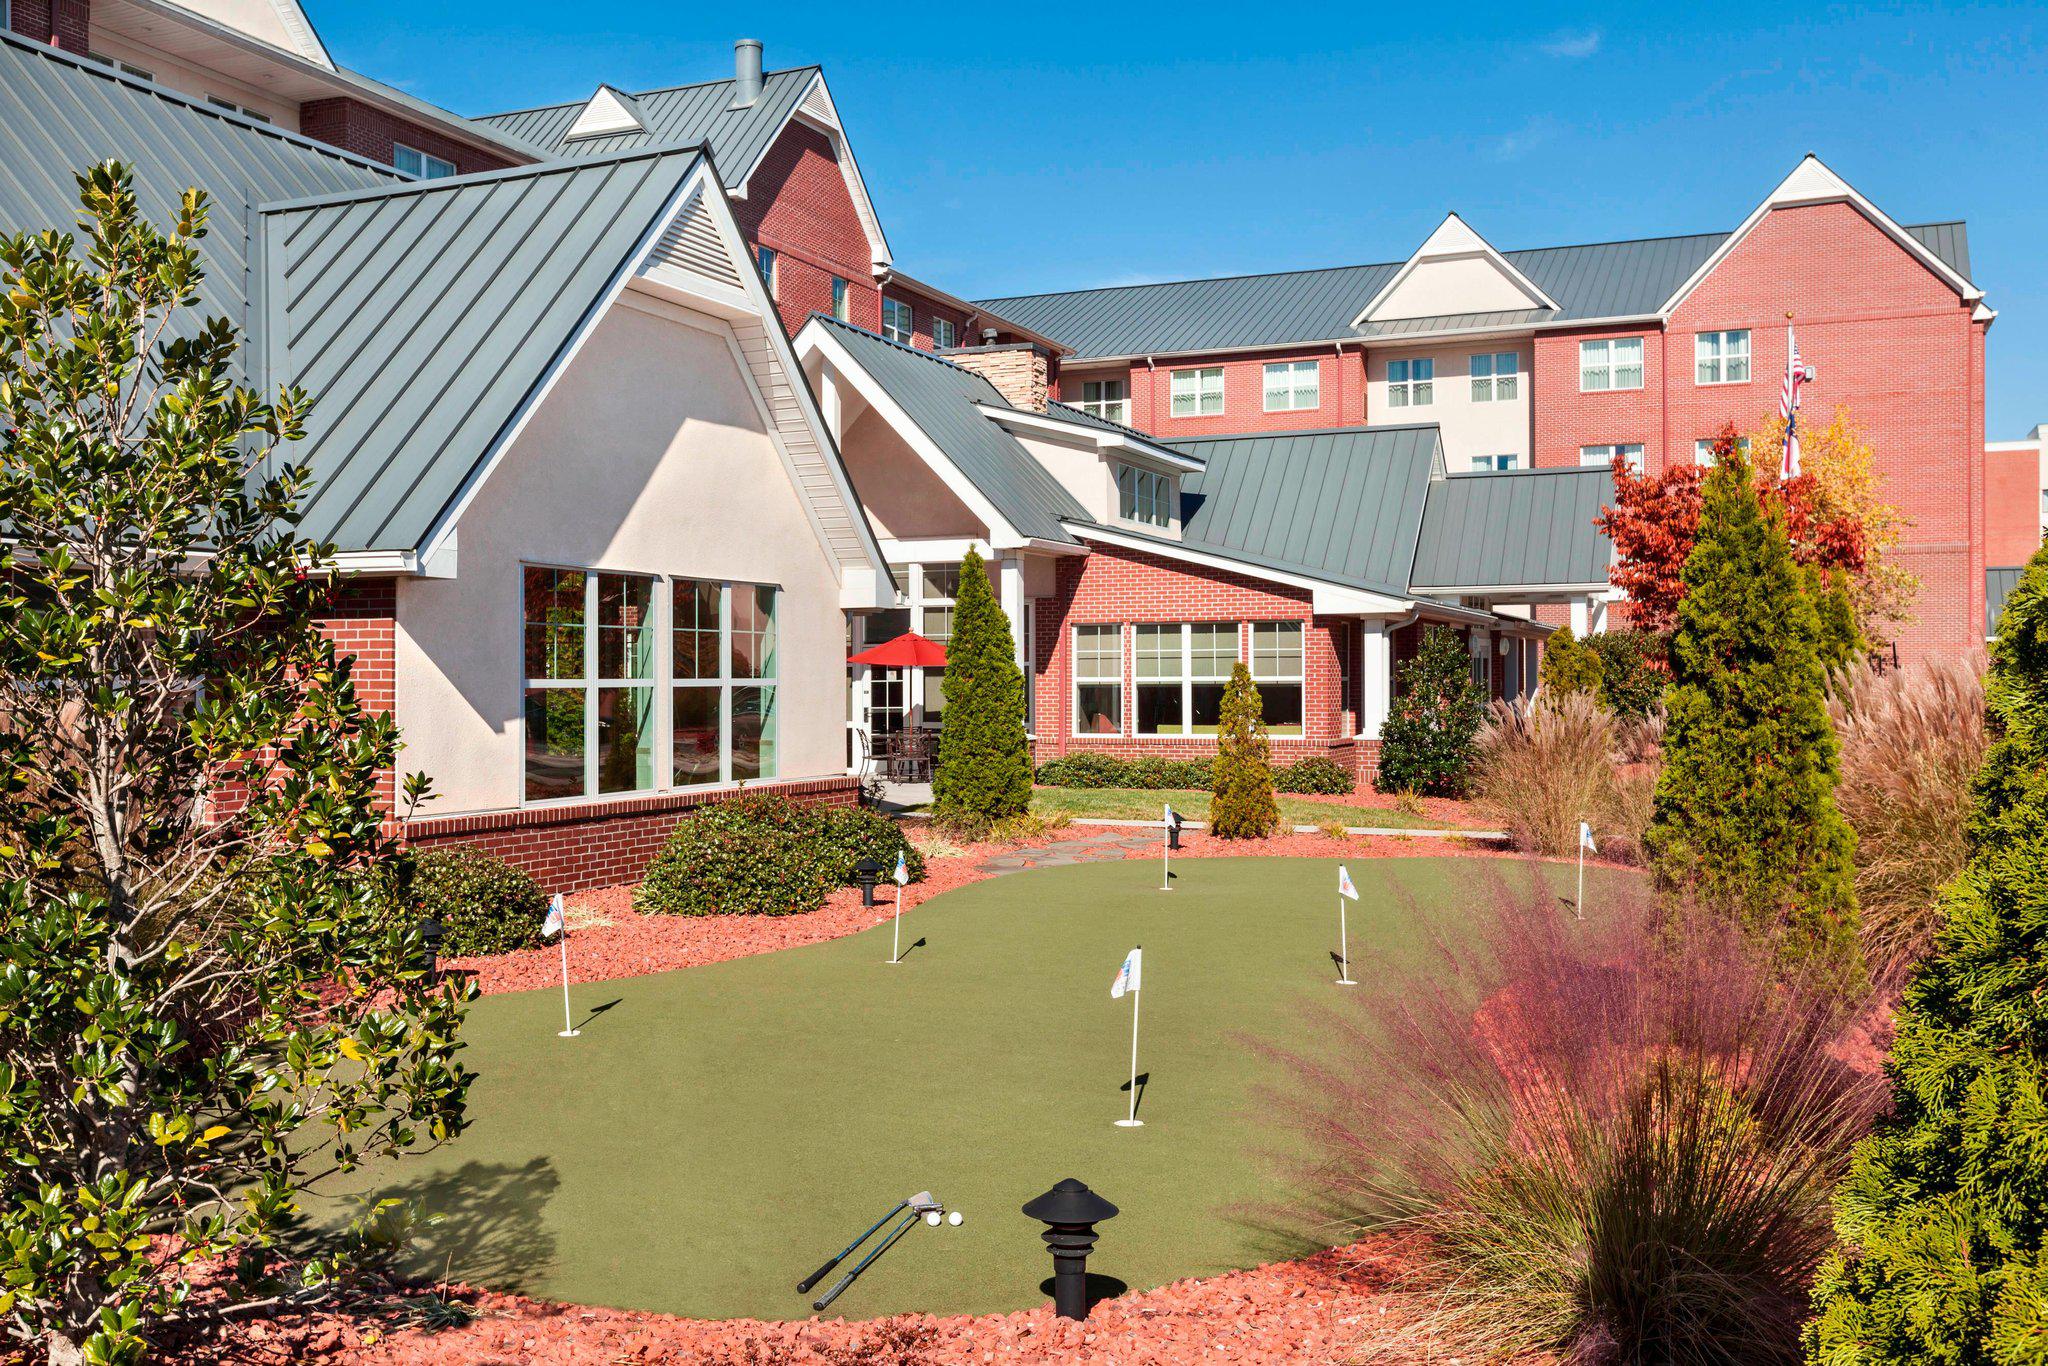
430 945
1070 1212
867 873
1173 832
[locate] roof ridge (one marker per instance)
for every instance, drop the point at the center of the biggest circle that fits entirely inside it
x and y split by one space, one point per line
642 94
532 170
844 325
1191 280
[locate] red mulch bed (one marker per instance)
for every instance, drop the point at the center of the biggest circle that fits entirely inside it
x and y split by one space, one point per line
1449 810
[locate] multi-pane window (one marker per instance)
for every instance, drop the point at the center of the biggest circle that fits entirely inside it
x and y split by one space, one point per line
1180 671
1098 680
752 653
1109 399
1630 451
1411 383
1703 450
1293 385
1720 357
944 334
937 587
897 321
1493 463
216 101
418 164
1496 376
764 261
1196 393
1277 669
1611 363
842 304
139 73
1144 496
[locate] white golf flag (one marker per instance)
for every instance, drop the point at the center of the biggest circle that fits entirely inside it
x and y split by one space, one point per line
1170 818
1344 887
1127 975
1586 838
554 924
902 868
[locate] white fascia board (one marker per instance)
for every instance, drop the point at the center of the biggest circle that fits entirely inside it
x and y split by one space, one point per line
816 340
1811 182
1080 433
304 37
692 290
376 563
842 153
1461 244
1329 598
1518 591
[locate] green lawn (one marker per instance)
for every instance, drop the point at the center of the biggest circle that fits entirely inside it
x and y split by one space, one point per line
1142 804
717 1132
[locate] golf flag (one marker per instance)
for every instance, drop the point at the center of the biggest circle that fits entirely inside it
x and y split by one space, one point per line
902 868
554 924
1586 839
1127 975
1170 818
1344 887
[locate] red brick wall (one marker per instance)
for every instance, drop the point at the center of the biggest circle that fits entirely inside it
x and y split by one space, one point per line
60 23
1565 419
924 308
797 204
2012 503
1342 386
368 132
362 623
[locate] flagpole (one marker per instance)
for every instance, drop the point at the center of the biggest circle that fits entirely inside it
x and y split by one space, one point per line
896 932
1343 944
1132 1121
569 1030
1579 904
1166 852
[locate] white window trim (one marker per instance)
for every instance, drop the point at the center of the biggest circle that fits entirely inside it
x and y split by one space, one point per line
1187 679
952 338
918 601
1607 365
1402 393
1703 450
1495 377
1123 727
1721 359
1201 392
1493 464
1291 387
1155 486
891 307
1632 450
1116 409
427 162
1300 680
842 299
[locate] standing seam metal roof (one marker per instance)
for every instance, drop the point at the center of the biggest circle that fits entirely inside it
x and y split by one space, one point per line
1514 528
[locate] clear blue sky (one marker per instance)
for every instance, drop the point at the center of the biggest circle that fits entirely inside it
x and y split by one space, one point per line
1013 149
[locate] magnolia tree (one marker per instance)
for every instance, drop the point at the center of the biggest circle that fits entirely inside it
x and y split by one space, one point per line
210 992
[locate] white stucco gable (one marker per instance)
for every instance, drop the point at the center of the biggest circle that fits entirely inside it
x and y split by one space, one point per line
1454 271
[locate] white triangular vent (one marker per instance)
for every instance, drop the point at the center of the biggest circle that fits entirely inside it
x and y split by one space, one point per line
609 113
692 243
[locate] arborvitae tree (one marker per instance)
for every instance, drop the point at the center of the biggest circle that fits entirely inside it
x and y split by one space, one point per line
1243 807
1569 664
984 769
1944 1214
209 999
1841 643
1426 741
1745 806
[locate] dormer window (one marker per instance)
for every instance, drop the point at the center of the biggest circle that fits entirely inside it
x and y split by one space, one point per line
1144 496
418 164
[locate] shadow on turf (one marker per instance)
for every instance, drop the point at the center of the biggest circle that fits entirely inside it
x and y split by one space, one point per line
909 948
1144 1079
480 1223
596 1011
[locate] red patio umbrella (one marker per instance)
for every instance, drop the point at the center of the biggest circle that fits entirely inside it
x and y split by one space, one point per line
908 651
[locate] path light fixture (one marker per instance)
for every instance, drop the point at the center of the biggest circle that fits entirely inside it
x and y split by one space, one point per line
866 874
1173 832
1070 1212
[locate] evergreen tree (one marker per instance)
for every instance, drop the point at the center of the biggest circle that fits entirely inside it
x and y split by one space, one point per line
1841 642
1745 817
1944 1214
1426 741
984 769
1244 807
1569 664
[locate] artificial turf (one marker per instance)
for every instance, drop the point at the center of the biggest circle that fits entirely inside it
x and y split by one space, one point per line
718 1131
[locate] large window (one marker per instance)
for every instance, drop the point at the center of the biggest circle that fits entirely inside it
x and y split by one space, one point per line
414 162
1495 377
1098 680
1703 450
938 585
1108 399
1411 383
1196 393
1615 363
842 305
1144 496
1293 385
1720 358
944 334
1277 669
1180 671
1495 463
764 261
594 682
897 321
1630 451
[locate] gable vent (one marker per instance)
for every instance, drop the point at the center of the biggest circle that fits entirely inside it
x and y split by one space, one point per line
609 113
691 242
818 105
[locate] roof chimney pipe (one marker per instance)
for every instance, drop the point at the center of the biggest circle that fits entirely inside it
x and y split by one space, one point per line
746 72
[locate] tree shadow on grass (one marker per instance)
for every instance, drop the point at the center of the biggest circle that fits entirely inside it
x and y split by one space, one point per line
481 1223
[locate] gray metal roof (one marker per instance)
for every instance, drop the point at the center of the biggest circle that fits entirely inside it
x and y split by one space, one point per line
940 397
1517 528
59 116
1998 586
1343 505
737 138
1069 413
1597 280
421 320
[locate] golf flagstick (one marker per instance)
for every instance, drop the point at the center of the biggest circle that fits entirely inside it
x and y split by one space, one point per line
1345 892
1166 850
902 876
1127 979
1585 843
557 924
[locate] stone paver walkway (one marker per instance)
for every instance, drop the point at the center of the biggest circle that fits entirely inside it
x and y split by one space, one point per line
1091 848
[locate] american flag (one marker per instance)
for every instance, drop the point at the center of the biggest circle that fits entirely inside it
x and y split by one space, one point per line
1797 373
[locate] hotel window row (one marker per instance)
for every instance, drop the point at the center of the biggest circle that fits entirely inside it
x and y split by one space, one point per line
1617 362
638 682
1179 671
1290 386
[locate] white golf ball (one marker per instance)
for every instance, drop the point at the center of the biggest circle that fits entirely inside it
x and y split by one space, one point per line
954 1218
931 1216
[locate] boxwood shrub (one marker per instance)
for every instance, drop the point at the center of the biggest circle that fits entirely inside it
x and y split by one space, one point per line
1090 769
484 904
1084 769
1317 773
766 855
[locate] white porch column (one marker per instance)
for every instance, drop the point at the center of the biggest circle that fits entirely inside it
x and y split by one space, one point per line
1480 645
1582 611
1596 615
1010 586
1375 677
829 403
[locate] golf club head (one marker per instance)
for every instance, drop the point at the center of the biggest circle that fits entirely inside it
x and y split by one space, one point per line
924 1202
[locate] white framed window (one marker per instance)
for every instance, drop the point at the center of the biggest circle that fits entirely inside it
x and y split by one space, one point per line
724 684
1108 399
1195 393
1411 383
765 262
139 73
418 164
1630 451
1144 496
934 592
897 321
1293 385
944 334
1278 669
842 306
1610 363
1098 680
1495 463
1720 358
1703 450
1496 376
218 103
1180 671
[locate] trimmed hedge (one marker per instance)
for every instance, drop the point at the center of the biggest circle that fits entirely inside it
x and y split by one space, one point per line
484 904
1317 773
766 855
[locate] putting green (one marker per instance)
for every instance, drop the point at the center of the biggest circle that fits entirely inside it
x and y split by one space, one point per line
717 1132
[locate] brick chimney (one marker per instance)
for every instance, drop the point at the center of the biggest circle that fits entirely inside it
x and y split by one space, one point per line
1021 371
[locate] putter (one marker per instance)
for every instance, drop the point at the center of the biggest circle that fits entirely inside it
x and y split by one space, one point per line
803 1287
918 1207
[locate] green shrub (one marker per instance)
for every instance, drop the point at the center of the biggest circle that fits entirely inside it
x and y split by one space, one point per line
1426 741
484 904
852 833
1084 768
1318 773
1158 773
1569 664
1243 807
1631 676
751 855
983 775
